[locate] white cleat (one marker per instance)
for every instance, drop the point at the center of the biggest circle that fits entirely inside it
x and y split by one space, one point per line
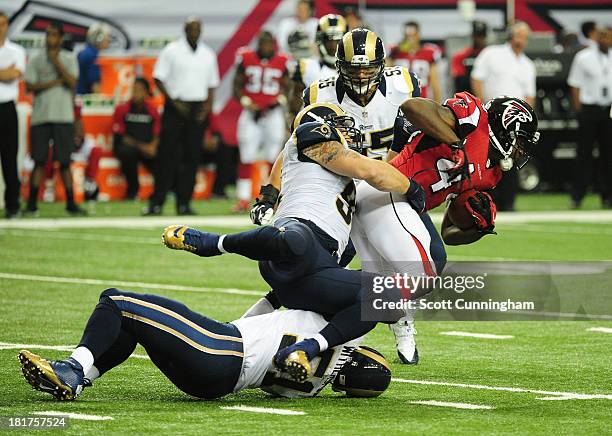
404 332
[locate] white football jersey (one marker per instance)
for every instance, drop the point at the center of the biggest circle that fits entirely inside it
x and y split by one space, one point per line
313 193
307 71
264 335
376 119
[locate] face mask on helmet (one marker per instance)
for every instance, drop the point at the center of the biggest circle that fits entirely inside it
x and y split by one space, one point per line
360 61
360 78
346 125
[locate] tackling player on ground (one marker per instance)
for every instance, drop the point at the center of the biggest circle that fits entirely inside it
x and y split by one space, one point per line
299 254
201 356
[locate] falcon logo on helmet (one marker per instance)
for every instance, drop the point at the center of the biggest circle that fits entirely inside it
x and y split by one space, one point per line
360 61
515 112
513 130
333 116
330 30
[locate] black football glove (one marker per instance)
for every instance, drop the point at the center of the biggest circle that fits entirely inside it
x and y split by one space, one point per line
415 196
483 209
263 209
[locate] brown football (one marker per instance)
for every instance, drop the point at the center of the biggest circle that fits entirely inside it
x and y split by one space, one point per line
458 213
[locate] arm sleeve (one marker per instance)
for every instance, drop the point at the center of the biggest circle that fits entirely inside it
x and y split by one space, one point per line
466 111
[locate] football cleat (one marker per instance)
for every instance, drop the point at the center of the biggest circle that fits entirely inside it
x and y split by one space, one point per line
179 237
64 379
296 364
407 351
295 359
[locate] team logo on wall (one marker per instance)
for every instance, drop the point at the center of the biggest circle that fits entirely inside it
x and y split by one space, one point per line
515 111
28 25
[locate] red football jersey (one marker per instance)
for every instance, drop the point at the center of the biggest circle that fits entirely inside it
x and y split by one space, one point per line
263 84
419 62
425 159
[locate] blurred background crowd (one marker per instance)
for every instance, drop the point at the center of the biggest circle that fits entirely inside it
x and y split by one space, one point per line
110 101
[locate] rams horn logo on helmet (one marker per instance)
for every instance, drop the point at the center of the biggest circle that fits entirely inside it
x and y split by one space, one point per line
323 130
515 111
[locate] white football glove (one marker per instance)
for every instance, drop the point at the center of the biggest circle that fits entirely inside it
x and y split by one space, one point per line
262 214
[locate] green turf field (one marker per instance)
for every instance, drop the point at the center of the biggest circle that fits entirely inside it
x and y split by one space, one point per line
50 279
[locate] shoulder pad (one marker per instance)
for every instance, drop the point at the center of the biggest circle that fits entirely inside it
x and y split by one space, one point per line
467 111
313 133
403 81
310 93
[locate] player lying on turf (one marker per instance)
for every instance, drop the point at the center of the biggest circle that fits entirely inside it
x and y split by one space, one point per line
299 254
203 357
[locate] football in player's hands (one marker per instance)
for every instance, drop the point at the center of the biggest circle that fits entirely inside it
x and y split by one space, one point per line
472 209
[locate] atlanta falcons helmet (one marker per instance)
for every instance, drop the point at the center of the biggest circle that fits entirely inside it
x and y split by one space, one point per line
513 130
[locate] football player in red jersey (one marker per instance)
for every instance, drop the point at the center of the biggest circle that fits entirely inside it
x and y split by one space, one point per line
480 142
420 59
448 149
260 84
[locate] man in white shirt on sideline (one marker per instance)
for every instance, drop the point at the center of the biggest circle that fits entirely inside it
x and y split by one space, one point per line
296 35
12 68
186 73
504 69
590 81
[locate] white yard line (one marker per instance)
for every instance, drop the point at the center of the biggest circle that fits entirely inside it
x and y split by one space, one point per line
453 405
264 410
68 348
81 416
550 395
600 329
96 237
477 335
230 221
126 222
557 229
127 284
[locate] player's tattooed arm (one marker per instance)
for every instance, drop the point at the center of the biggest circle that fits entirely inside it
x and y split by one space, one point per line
432 118
338 159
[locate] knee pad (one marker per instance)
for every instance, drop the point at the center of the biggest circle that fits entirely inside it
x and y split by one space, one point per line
297 237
